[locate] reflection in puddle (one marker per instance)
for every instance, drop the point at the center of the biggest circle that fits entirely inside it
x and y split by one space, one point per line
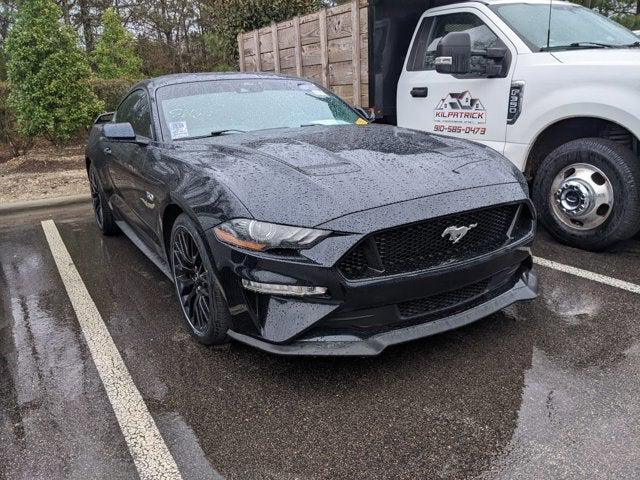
571 305
575 422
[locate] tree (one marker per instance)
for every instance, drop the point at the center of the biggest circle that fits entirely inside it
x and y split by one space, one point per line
114 55
226 18
48 74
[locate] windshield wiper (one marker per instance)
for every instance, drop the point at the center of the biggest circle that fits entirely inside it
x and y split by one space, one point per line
633 45
215 133
218 133
580 45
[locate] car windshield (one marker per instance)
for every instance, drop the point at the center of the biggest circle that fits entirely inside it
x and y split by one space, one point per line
219 107
572 27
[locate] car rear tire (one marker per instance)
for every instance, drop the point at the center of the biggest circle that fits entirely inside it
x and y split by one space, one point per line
587 193
103 214
203 305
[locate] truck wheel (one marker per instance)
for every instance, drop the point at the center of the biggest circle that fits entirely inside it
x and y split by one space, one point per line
587 192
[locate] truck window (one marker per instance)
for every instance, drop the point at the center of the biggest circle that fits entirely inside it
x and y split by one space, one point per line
432 30
570 27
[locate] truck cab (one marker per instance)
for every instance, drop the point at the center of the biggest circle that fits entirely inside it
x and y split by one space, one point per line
552 86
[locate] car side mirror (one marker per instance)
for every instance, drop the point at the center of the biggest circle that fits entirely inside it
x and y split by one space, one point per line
122 132
453 54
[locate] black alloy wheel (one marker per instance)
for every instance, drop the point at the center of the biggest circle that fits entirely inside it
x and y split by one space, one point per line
103 214
203 305
95 198
192 281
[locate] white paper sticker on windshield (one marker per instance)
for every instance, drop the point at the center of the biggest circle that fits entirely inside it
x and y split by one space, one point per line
178 129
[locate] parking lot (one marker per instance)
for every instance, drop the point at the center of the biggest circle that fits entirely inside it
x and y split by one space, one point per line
547 389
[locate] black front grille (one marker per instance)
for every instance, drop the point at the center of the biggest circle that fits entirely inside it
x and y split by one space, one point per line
442 301
455 301
421 246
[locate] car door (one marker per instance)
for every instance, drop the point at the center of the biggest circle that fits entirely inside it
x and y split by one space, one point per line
470 106
129 162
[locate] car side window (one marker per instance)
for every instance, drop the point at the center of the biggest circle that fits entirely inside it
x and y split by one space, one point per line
135 110
433 29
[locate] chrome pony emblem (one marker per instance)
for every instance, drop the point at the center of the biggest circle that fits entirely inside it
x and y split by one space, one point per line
457 233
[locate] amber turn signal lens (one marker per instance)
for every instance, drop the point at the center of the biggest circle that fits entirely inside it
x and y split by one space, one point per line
229 238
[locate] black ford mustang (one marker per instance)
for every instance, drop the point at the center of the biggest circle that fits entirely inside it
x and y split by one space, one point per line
288 222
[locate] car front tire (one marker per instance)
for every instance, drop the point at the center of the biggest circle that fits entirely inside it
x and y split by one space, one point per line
103 214
203 305
587 193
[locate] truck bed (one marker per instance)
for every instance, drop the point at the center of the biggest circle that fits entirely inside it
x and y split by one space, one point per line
356 50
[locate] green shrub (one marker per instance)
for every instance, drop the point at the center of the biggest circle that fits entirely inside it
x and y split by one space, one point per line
111 92
48 74
3 65
115 56
9 133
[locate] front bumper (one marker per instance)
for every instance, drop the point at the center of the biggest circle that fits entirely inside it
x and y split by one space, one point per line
526 288
362 318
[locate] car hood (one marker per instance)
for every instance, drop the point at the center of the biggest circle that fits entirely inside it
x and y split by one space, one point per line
605 57
306 177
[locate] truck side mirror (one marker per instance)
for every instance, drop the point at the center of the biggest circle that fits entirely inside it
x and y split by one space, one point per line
453 53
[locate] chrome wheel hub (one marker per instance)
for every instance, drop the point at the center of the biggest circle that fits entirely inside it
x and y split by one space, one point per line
574 197
582 196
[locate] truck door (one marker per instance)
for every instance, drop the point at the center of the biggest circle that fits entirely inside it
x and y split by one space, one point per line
468 106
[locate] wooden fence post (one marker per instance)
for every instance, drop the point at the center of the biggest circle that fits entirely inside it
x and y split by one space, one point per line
324 46
276 47
241 51
298 49
355 34
256 40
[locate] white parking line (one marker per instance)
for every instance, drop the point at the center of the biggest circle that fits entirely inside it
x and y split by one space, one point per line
595 277
150 454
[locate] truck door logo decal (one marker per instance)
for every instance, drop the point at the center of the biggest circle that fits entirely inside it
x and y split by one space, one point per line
460 113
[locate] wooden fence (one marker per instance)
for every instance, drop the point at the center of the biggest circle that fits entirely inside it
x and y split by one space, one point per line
329 47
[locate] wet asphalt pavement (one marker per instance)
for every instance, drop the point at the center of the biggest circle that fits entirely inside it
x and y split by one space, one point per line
547 389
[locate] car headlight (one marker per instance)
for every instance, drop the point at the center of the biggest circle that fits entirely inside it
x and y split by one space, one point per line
261 236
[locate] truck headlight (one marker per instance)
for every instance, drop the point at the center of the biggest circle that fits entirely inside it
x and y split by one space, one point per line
261 236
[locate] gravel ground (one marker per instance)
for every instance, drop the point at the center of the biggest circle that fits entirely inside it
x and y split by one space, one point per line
43 173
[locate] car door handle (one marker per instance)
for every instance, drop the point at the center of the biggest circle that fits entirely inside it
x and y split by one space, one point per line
420 92
107 150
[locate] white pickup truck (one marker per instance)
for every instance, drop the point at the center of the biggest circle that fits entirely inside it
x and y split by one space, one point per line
555 87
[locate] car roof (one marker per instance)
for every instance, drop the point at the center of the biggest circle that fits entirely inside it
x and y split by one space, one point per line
177 78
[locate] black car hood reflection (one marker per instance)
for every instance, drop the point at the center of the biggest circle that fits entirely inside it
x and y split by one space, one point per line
308 176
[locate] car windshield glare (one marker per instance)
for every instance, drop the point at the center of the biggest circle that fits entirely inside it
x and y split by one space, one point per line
221 107
572 26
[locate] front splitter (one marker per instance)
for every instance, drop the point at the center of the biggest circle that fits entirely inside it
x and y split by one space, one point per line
525 289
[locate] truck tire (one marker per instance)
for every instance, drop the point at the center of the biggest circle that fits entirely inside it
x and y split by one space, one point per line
587 193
